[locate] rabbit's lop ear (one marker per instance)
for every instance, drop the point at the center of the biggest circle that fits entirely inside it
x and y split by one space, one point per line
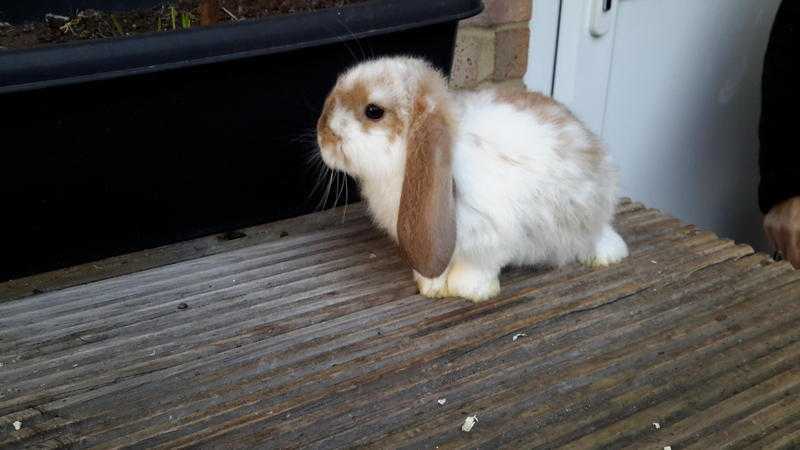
426 223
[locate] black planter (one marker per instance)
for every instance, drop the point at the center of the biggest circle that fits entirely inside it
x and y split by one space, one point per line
117 145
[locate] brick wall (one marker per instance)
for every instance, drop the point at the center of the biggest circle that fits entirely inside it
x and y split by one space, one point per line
492 48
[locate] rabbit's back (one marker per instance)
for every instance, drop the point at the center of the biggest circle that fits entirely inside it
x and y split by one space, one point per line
533 185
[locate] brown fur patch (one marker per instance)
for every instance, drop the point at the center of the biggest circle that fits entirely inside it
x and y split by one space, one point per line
426 225
480 144
356 100
353 99
595 154
552 112
509 160
326 136
547 109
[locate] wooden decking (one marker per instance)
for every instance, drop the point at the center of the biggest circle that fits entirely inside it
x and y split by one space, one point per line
316 339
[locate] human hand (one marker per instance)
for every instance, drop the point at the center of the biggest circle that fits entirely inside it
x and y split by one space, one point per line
782 226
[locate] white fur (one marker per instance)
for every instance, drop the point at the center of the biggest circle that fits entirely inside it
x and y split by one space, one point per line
526 194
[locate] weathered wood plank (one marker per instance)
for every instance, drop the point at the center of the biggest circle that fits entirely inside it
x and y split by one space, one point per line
321 342
602 321
170 254
626 344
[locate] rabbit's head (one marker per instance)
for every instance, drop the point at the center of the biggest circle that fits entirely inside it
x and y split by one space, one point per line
390 118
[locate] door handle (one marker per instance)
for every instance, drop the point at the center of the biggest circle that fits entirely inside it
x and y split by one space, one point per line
600 16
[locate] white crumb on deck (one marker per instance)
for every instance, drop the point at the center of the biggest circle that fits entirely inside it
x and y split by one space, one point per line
469 422
654 261
668 448
441 401
372 256
656 425
17 425
517 336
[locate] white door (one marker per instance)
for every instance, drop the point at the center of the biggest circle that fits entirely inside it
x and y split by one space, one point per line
673 87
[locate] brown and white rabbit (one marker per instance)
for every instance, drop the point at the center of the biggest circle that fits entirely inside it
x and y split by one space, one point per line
469 182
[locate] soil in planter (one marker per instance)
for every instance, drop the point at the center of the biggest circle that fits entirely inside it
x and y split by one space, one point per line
170 16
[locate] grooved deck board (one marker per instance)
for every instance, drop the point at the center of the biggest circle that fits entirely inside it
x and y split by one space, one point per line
317 339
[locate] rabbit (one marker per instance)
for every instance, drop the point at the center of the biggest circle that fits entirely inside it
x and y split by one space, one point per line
469 182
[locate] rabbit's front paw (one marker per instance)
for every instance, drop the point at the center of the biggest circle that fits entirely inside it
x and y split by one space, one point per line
432 287
472 283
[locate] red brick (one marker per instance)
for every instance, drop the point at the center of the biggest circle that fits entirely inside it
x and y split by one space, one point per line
511 52
474 57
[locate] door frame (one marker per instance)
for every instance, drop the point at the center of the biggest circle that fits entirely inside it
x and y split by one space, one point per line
559 34
581 74
543 46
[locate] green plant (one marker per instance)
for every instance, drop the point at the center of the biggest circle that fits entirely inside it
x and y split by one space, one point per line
186 20
174 15
117 25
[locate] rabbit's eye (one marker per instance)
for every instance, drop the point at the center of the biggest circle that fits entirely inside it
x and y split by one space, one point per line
373 112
